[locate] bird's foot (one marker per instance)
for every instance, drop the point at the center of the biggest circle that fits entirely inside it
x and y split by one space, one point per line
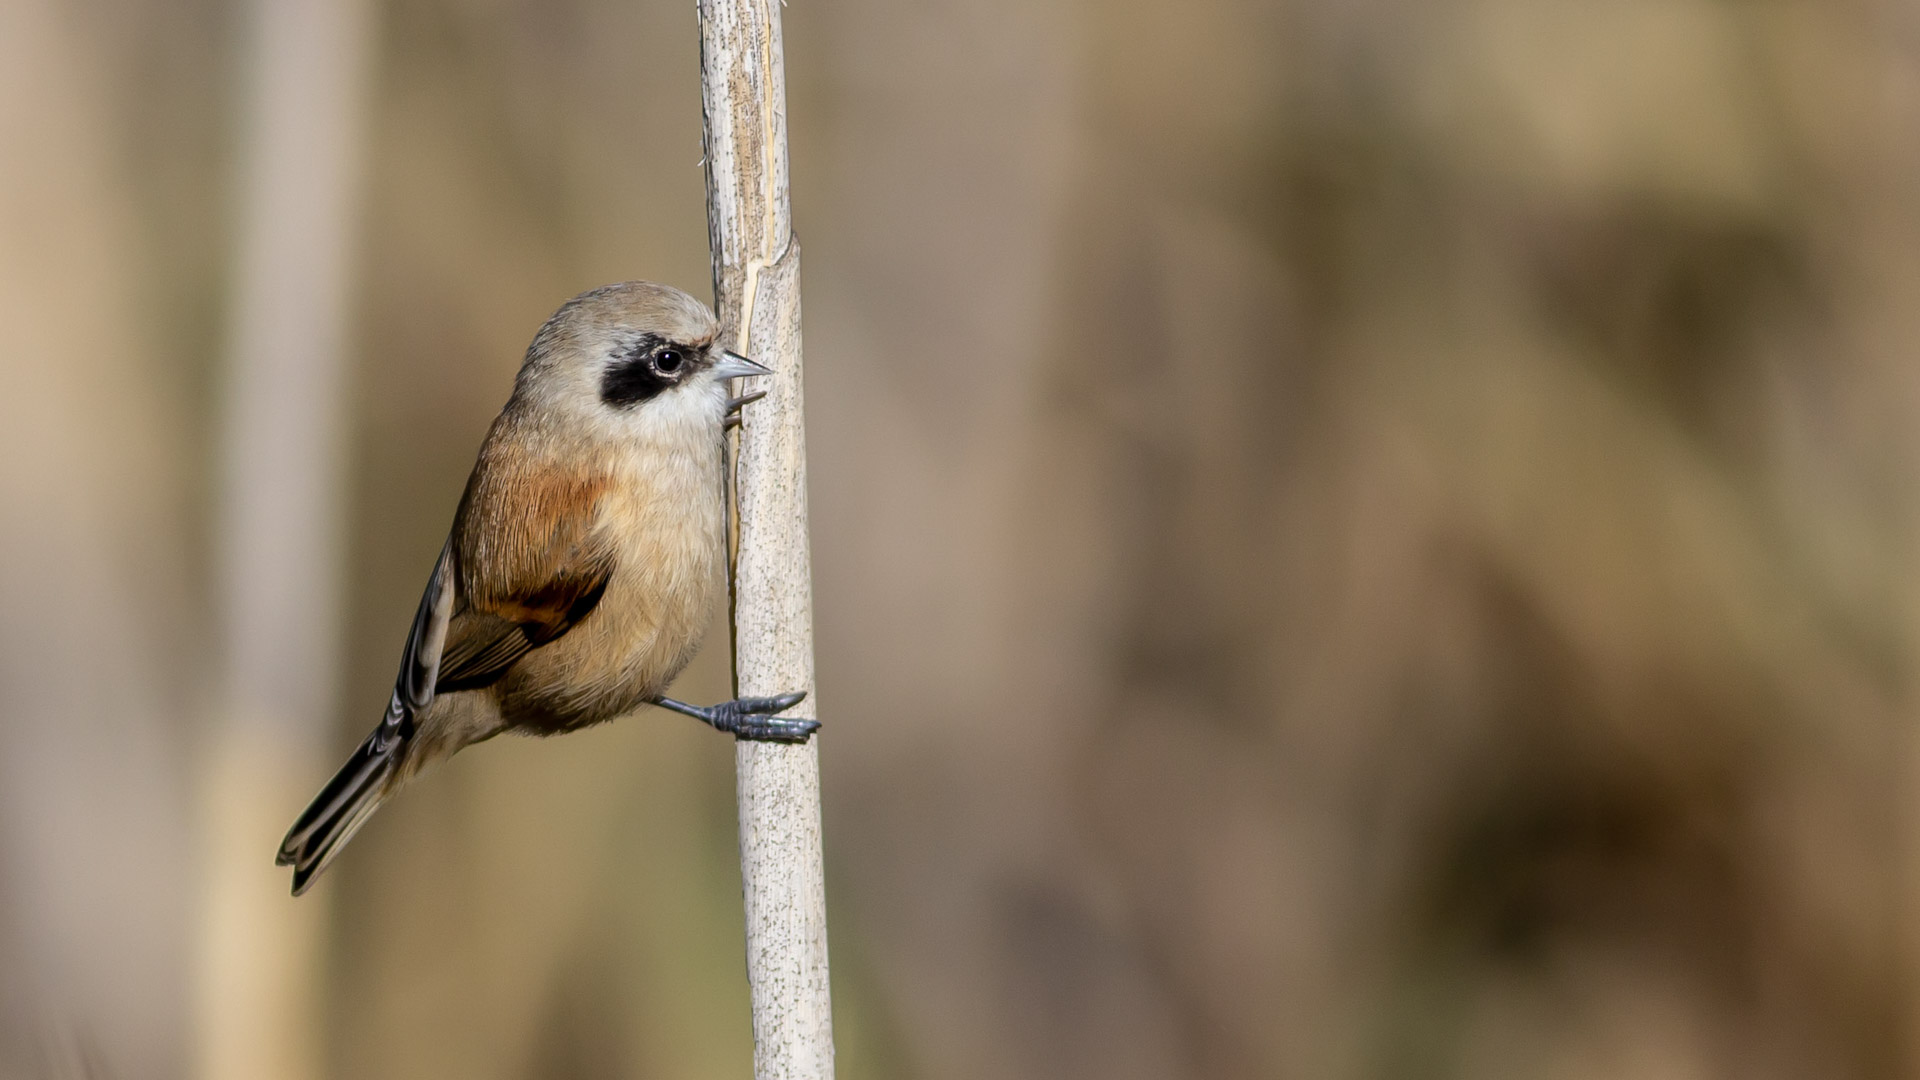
731 418
751 718
735 404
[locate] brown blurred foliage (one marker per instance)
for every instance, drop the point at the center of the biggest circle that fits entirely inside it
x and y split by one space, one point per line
1353 538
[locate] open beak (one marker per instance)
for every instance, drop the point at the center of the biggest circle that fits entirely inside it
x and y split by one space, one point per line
733 366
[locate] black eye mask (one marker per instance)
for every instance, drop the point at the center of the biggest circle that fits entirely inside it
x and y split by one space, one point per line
633 378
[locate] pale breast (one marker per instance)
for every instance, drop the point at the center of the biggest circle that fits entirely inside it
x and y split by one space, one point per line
664 520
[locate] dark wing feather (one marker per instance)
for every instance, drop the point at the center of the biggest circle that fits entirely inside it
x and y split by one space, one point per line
482 645
420 662
483 648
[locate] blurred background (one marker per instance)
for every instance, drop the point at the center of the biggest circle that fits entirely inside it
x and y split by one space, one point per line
1353 538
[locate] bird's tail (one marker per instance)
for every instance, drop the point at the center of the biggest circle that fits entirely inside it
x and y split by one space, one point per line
347 801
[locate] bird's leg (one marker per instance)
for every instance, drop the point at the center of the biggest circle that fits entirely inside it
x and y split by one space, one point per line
750 718
734 405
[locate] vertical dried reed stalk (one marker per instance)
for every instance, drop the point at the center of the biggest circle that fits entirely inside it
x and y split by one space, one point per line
756 272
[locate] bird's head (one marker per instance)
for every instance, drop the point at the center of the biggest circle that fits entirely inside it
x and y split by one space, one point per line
635 351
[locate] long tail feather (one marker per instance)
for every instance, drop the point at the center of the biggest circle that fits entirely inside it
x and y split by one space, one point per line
351 797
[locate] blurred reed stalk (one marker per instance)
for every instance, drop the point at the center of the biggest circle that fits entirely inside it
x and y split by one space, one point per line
756 274
279 571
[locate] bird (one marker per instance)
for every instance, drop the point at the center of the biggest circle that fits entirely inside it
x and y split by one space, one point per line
585 555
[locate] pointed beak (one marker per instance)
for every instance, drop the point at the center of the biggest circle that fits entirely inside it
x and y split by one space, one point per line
733 366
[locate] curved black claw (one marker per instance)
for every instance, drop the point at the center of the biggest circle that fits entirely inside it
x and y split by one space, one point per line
731 418
751 718
734 404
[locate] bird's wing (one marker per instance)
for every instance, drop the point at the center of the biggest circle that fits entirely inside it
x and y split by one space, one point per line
520 569
529 567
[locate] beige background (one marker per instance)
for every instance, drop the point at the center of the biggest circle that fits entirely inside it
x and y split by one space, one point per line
1352 539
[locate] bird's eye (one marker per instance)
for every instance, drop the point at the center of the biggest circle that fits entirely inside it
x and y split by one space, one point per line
668 361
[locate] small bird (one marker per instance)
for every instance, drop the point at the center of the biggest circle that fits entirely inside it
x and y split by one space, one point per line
585 556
